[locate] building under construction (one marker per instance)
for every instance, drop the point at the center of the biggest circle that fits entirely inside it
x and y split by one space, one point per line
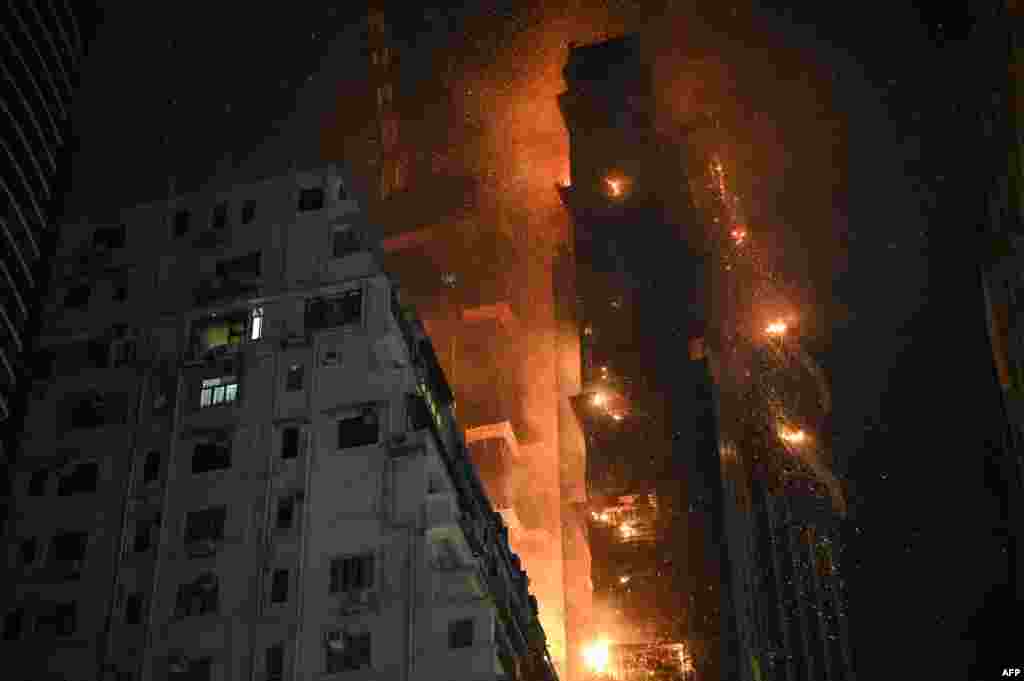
494 288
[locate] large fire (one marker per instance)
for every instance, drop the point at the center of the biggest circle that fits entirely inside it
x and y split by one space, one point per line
595 655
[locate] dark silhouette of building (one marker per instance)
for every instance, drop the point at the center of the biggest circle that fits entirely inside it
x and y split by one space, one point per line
656 505
44 43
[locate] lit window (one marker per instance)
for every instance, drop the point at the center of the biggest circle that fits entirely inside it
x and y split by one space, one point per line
256 324
218 391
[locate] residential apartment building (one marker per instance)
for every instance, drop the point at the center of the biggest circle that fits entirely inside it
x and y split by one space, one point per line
244 463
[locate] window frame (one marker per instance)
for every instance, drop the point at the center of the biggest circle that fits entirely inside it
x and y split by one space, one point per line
181 222
358 577
256 323
213 517
152 459
311 199
360 413
288 502
358 643
352 242
248 212
280 586
220 214
295 378
457 637
218 391
285 442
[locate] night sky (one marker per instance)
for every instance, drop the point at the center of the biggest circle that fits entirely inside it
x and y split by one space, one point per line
846 172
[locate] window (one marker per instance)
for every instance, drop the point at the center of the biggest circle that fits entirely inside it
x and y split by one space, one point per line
78 296
352 573
213 455
62 622
203 529
295 378
145 530
14 624
109 237
81 479
198 597
256 324
345 241
120 293
88 412
274 662
460 633
151 468
218 391
285 513
68 553
248 211
37 483
342 192
219 218
279 586
181 669
346 652
341 310
311 199
133 609
182 222
289 443
28 551
246 266
359 429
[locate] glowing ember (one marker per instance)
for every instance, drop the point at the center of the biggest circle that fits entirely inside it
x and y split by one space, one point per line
599 399
595 655
738 235
792 436
614 187
617 417
624 579
778 328
627 530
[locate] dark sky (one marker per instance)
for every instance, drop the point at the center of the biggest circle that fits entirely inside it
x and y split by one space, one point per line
846 167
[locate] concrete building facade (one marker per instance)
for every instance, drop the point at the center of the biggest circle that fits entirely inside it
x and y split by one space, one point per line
243 462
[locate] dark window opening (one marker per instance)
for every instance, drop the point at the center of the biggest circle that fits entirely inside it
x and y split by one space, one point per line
133 609
219 219
68 552
295 377
311 199
359 430
418 413
37 483
121 293
279 586
81 480
242 267
275 662
199 597
352 573
285 513
345 242
88 412
60 621
289 443
28 550
109 237
341 310
211 456
342 192
182 222
460 634
151 468
99 353
78 296
248 211
203 529
14 624
191 670
346 652
144 533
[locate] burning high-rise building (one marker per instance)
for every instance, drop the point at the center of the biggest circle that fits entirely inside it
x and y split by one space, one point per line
661 574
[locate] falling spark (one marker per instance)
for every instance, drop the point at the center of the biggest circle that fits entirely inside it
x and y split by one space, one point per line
595 655
624 579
